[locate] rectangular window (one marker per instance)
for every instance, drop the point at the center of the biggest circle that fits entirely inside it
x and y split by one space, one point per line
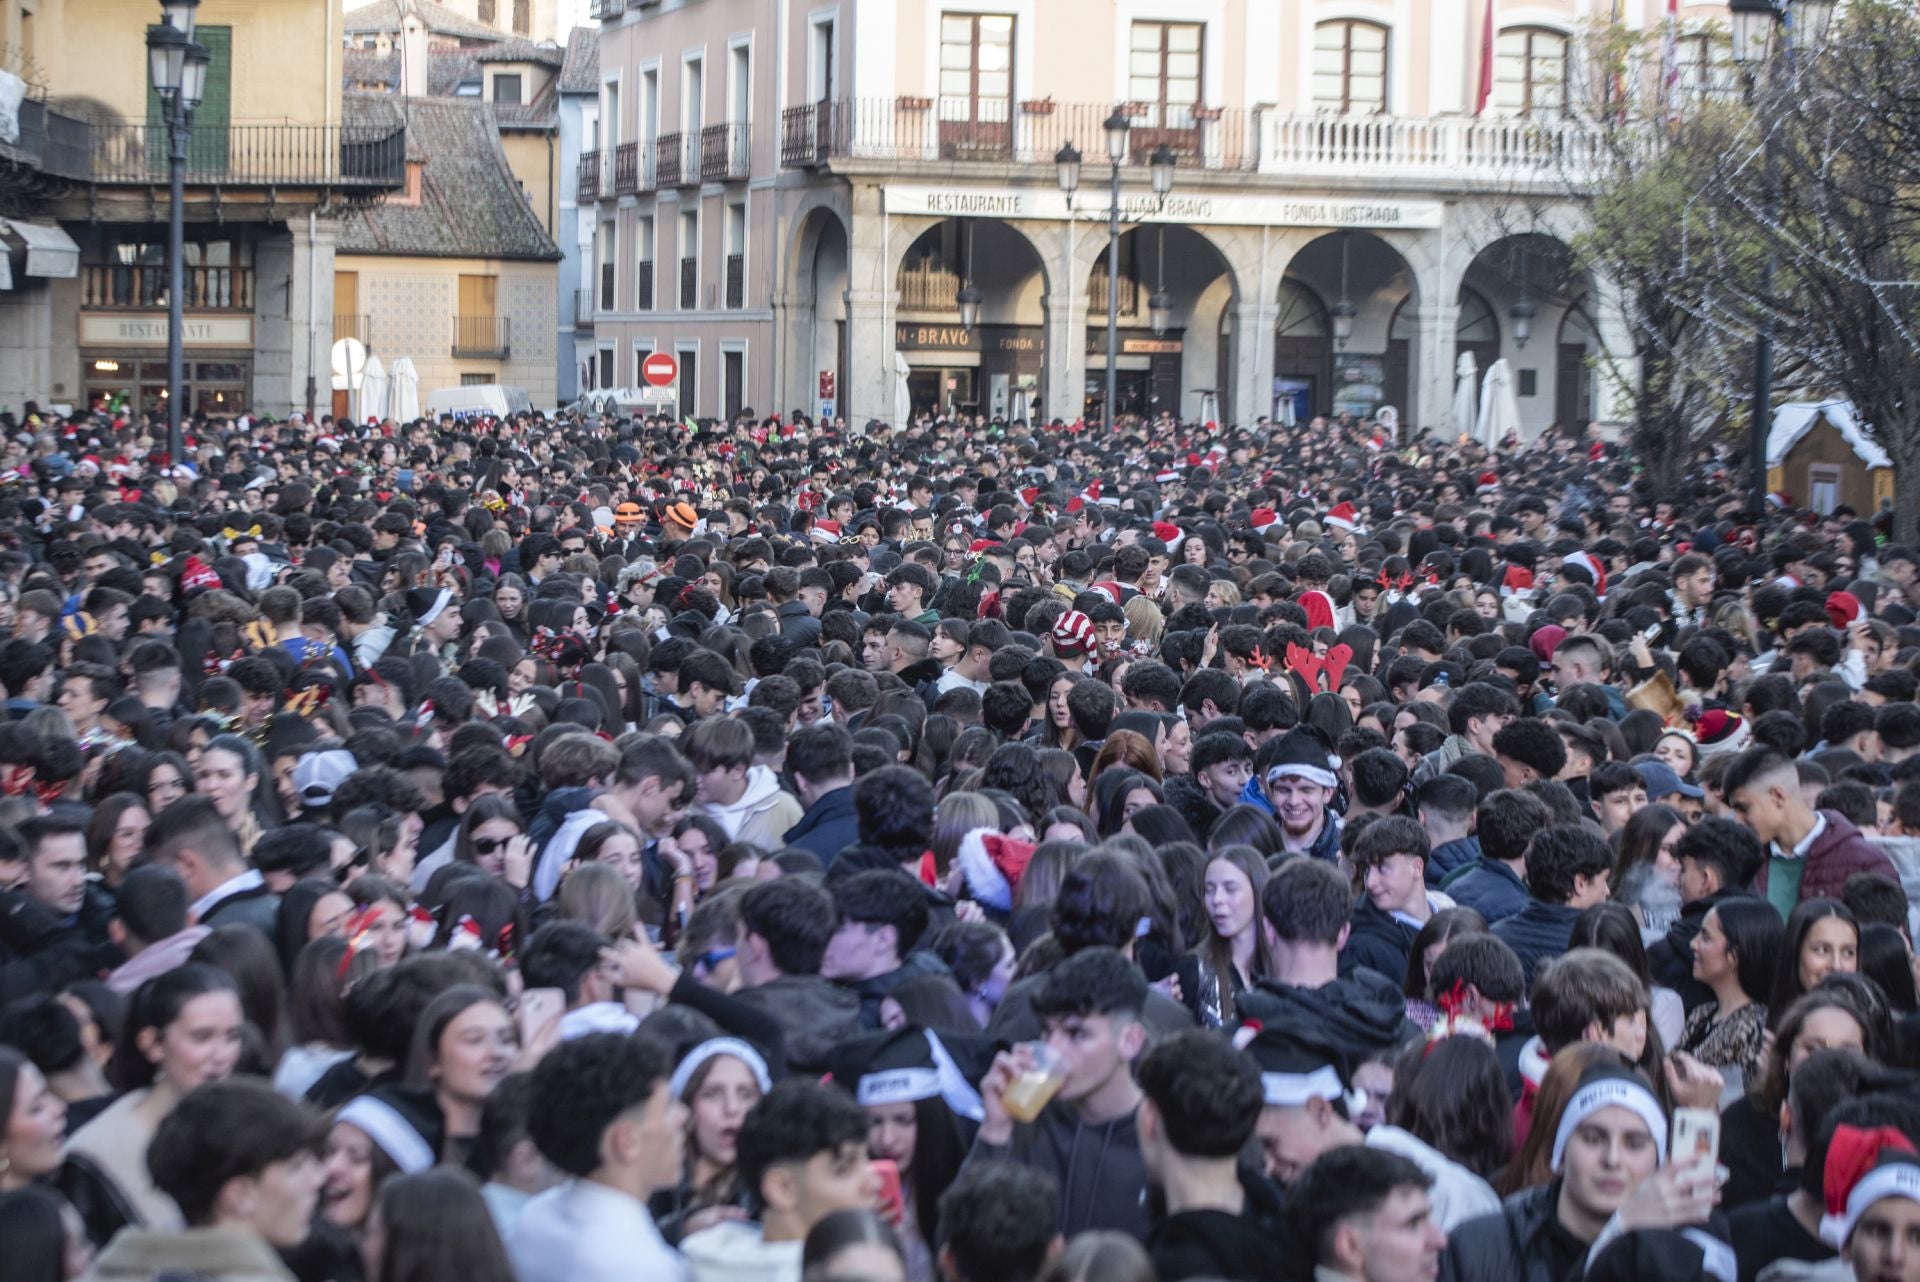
740 96
506 89
689 380
650 104
643 275
689 261
736 256
476 380
1530 72
1529 383
1823 485
822 80
522 17
1350 67
693 96
1164 63
606 367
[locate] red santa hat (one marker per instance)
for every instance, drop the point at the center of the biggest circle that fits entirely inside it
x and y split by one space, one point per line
1844 610
978 546
1262 517
1864 1165
1591 564
1073 633
1029 494
196 575
1166 477
993 864
1109 589
826 531
1170 534
1344 518
1719 730
1516 580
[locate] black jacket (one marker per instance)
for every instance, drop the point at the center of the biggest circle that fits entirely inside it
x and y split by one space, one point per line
872 992
816 1013
1214 1244
1537 932
1376 941
1358 1014
798 625
1512 1246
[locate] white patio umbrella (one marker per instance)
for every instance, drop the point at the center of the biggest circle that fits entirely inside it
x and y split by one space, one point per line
1499 409
902 398
1466 382
403 391
373 389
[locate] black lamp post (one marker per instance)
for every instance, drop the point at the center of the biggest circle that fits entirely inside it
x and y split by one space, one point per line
1755 23
177 64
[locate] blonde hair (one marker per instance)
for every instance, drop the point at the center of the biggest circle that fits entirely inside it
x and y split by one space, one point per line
1229 591
958 814
596 894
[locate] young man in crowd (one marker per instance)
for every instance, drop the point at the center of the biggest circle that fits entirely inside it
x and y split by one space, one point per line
802 1154
1809 853
1567 873
602 1114
1091 1007
1364 1215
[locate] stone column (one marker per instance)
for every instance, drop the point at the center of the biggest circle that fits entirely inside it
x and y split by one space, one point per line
1253 323
1066 319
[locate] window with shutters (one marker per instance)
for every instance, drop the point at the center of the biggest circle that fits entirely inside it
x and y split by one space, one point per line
1531 68
1350 67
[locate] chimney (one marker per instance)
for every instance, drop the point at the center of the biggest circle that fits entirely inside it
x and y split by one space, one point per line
413 55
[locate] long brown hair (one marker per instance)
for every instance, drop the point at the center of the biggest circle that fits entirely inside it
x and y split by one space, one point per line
1216 951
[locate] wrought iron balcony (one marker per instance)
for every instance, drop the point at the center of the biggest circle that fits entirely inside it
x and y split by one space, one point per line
482 337
583 309
726 152
589 178
669 155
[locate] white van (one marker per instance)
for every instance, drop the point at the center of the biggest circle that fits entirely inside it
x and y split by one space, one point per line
478 400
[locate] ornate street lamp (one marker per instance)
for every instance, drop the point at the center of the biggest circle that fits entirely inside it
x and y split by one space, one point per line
178 66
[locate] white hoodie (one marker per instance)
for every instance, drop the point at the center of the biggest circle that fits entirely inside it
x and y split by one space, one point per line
761 815
735 1252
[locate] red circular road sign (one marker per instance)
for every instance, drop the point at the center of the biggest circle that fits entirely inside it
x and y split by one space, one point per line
660 369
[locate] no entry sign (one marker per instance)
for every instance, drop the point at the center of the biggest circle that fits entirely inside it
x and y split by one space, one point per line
660 369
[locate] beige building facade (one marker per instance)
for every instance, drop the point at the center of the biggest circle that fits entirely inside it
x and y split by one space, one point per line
793 198
271 160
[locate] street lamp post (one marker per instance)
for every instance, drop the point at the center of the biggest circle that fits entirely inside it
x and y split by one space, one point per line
1755 24
178 66
1160 164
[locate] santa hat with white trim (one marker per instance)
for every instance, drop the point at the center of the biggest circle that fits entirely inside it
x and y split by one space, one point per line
1516 580
826 531
1171 535
993 864
1296 1068
1344 518
1587 561
1865 1166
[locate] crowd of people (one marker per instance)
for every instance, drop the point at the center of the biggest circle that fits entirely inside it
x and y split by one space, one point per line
562 850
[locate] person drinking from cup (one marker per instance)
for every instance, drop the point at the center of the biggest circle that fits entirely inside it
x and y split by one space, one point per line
1066 1106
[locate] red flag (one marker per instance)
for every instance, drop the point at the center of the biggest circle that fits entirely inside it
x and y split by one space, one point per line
1486 62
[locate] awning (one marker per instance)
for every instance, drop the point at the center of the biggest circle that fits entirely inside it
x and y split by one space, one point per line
50 251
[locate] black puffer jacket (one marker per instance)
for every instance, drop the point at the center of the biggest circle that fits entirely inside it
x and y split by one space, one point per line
1377 941
1360 1013
1513 1246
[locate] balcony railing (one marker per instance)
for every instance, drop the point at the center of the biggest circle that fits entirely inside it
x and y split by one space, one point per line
1479 151
49 140
583 309
643 286
626 169
669 155
351 325
606 287
589 182
1438 150
251 155
689 284
608 8
482 337
726 152
736 281
143 287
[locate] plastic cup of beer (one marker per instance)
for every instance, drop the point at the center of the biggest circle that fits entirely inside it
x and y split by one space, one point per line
1029 1092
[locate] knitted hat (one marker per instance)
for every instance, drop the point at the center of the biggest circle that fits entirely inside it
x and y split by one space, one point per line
711 1049
993 864
1605 1086
1073 633
1545 641
1720 730
427 604
197 576
1302 753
